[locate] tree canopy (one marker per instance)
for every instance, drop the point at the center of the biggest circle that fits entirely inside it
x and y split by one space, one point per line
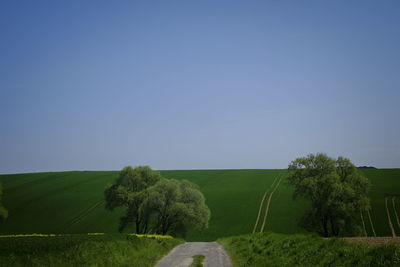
337 191
176 205
155 204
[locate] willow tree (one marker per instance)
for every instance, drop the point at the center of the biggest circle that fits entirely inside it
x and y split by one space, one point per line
155 204
336 190
178 205
130 191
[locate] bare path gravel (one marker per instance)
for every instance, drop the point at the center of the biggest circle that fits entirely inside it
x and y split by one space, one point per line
181 256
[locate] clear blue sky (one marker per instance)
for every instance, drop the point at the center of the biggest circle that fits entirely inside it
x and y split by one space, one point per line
90 85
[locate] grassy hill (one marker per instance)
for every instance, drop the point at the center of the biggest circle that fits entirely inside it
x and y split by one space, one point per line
72 202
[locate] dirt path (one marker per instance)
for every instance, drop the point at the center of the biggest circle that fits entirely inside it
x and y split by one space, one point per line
261 206
181 256
268 203
390 221
372 225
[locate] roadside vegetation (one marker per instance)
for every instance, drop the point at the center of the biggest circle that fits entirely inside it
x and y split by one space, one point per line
197 261
271 249
84 250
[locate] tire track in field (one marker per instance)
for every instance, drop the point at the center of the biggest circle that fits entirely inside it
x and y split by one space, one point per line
372 225
363 223
395 212
37 180
261 205
56 189
83 214
390 221
259 212
268 203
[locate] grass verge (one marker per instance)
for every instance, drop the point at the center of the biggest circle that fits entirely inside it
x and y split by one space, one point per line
84 250
197 261
270 249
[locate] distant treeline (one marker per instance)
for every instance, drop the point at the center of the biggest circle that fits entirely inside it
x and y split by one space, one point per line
366 167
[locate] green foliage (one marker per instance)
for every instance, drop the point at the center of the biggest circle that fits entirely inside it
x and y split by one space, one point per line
84 250
3 211
270 249
155 204
337 191
130 191
197 261
177 204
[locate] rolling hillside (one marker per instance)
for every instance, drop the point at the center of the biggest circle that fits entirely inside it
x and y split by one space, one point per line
72 202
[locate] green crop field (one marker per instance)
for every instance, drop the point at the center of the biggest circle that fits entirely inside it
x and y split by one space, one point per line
72 202
384 183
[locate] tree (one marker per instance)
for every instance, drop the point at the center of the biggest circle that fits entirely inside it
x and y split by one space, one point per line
336 190
3 211
155 204
178 204
130 191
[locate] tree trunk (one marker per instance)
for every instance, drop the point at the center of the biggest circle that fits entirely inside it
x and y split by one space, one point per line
137 225
145 227
158 225
325 226
332 227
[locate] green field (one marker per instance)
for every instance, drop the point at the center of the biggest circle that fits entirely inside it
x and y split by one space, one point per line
385 183
72 202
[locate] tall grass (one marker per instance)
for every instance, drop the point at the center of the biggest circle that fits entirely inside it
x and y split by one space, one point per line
270 249
83 250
